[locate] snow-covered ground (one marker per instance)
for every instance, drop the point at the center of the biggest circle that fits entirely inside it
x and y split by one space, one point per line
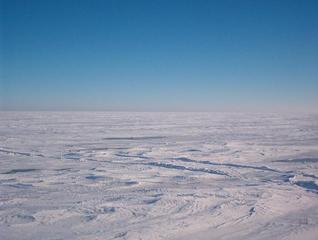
158 176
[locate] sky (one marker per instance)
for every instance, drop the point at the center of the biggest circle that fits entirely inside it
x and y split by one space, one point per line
104 55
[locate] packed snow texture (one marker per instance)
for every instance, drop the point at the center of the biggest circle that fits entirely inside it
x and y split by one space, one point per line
205 176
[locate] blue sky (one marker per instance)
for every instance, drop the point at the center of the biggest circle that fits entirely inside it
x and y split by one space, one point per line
159 55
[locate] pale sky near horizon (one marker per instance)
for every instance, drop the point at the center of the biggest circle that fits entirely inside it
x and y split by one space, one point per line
159 55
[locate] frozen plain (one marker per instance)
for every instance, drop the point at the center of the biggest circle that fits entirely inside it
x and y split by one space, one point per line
205 176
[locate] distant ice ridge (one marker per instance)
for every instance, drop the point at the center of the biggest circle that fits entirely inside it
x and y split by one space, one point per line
205 176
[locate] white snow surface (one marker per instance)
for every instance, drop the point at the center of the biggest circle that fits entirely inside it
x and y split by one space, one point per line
103 175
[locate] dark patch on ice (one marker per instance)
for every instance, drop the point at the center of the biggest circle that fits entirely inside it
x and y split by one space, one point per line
264 168
286 177
40 155
90 215
7 180
149 190
309 185
22 170
299 160
184 159
102 149
119 235
88 218
63 169
15 153
222 150
151 201
27 218
134 138
179 178
157 195
20 219
20 185
178 167
72 155
131 156
104 210
252 184
128 183
252 211
310 175
108 148
193 150
123 182
94 177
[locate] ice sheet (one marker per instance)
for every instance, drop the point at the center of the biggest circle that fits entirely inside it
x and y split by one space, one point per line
103 175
